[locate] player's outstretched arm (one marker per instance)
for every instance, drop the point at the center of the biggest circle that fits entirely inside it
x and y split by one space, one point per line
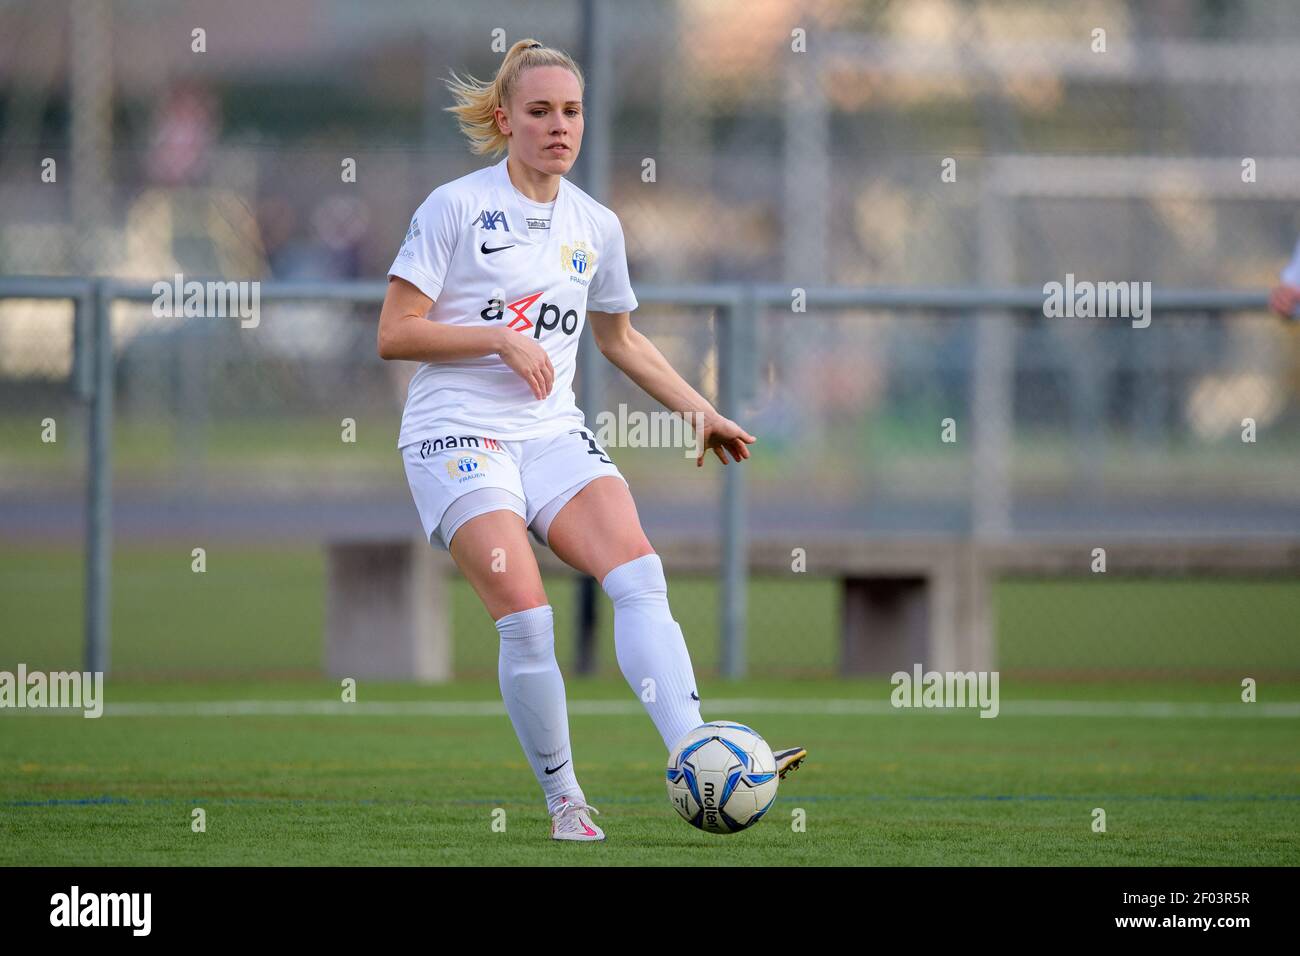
641 361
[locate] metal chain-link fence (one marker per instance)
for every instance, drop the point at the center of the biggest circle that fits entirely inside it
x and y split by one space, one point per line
240 441
906 144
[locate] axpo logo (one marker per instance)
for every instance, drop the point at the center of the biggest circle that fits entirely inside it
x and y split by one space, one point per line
548 315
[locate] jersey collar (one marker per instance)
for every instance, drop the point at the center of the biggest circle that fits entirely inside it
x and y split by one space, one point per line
515 212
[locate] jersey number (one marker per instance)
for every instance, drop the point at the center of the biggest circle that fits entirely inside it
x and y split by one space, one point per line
592 447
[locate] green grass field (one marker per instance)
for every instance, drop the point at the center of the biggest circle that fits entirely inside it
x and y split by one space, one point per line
1202 780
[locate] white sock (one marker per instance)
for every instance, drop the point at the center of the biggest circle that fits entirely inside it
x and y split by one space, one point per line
533 690
649 644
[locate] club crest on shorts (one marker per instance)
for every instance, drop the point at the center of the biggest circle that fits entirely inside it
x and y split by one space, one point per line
466 467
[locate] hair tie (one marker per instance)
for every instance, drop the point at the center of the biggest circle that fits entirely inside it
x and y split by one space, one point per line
533 46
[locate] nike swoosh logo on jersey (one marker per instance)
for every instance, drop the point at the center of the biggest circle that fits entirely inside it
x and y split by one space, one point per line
550 770
487 252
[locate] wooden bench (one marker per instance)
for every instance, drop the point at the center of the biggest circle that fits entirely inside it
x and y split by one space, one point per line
903 600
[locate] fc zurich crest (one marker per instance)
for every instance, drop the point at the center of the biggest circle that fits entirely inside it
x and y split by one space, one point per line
467 466
578 258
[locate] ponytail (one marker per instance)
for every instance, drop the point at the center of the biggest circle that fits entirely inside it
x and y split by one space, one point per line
477 101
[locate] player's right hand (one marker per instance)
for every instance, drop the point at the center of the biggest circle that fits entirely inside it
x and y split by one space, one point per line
529 360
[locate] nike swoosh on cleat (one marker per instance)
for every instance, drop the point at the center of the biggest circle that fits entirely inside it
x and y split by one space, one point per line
553 769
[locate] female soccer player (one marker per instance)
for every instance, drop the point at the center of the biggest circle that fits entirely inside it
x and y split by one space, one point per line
507 262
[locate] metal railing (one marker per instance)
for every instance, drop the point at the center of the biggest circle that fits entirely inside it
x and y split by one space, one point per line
737 307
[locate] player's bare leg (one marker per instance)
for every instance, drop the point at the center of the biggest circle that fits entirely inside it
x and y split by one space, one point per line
599 529
508 580
599 532
493 553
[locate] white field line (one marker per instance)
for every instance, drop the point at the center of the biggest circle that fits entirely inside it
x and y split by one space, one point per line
714 706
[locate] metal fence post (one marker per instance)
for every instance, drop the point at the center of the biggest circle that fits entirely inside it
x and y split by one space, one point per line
83 349
731 317
593 173
99 484
992 382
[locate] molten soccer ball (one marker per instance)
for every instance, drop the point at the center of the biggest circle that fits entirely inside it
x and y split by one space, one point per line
722 777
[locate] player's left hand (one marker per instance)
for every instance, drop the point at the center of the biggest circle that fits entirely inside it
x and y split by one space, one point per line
1284 300
722 434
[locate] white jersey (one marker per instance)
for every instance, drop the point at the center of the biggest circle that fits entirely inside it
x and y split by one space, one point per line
479 249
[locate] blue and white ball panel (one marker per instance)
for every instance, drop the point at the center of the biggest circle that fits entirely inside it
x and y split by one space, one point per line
722 777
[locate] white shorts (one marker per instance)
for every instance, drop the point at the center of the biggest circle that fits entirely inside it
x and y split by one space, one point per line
459 477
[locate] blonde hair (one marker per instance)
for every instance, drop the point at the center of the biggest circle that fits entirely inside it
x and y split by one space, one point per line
477 101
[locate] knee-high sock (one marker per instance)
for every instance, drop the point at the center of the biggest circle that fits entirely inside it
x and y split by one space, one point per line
650 646
533 691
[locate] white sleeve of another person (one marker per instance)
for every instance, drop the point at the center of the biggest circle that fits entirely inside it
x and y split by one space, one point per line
430 241
1291 274
611 289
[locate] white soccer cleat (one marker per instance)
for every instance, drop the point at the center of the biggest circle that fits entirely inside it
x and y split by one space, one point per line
573 822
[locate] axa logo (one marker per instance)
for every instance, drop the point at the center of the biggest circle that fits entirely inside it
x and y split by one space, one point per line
490 219
548 316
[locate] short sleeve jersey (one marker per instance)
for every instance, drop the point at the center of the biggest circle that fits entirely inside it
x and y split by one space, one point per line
478 248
